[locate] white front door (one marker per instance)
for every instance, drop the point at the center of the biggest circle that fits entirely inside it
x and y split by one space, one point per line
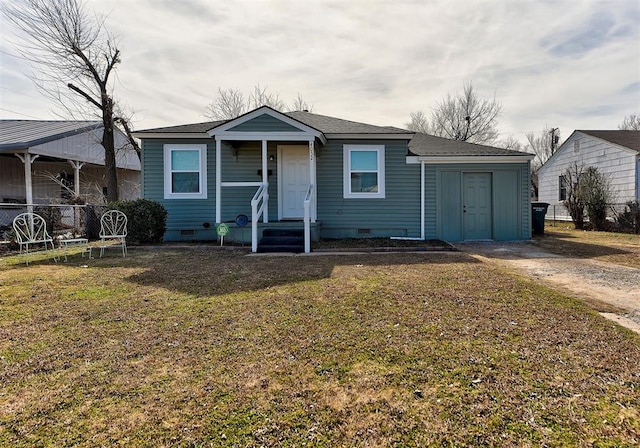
293 179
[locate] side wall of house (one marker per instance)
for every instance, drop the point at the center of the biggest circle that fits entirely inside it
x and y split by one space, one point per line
398 214
510 203
610 159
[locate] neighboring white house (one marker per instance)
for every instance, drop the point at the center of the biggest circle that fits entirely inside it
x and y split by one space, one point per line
37 156
614 153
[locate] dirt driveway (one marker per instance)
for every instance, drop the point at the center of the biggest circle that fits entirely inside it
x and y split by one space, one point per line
612 289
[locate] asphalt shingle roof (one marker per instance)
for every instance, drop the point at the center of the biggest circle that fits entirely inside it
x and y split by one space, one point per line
332 125
430 145
21 134
420 144
322 123
628 139
193 128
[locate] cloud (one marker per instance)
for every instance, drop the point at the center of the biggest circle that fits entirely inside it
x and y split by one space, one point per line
561 62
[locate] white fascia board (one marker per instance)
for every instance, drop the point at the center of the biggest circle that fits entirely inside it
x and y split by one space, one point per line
148 135
370 136
269 136
435 160
222 129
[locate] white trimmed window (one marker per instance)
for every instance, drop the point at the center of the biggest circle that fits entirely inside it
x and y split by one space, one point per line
364 171
185 171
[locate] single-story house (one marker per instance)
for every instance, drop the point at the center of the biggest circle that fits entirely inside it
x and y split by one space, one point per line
615 153
44 162
331 178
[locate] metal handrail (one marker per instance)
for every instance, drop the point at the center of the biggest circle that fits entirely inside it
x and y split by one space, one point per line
307 218
261 195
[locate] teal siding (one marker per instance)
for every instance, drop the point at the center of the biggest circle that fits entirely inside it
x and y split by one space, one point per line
507 215
449 206
510 199
398 214
430 201
246 166
183 214
264 123
525 201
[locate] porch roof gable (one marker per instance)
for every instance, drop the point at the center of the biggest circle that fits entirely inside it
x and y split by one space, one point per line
265 121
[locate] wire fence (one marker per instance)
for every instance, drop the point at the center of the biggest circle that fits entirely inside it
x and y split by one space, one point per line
62 219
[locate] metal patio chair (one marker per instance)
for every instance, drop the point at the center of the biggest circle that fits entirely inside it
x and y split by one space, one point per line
113 227
30 229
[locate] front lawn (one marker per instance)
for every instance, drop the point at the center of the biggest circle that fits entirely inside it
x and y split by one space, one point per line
216 348
618 248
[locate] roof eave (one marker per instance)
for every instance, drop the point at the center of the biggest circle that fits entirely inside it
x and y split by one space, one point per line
351 136
190 135
435 160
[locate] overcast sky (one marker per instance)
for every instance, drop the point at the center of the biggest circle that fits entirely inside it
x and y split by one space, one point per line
563 63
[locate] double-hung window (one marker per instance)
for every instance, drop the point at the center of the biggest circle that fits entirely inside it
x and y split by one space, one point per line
185 171
364 171
562 190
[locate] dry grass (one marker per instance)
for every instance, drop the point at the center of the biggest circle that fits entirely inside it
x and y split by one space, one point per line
618 248
214 348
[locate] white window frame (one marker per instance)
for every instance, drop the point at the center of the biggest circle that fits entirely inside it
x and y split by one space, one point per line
202 170
347 193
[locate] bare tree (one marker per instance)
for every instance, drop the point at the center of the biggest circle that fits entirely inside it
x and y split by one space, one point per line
630 123
300 104
542 145
597 194
573 200
467 117
231 103
76 58
419 123
510 142
260 97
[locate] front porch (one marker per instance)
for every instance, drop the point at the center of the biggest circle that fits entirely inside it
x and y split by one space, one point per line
257 142
243 235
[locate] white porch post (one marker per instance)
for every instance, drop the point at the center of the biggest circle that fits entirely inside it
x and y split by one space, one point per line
312 178
77 165
265 180
422 196
218 181
28 159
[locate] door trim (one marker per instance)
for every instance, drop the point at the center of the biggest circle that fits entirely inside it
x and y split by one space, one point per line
280 169
464 200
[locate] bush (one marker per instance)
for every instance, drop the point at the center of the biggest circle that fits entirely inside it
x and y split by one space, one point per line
146 220
51 215
596 193
629 219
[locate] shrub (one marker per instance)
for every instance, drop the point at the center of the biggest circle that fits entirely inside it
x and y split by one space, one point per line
596 193
629 219
51 215
146 220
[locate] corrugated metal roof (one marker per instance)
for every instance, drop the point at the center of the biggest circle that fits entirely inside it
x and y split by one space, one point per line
628 139
22 134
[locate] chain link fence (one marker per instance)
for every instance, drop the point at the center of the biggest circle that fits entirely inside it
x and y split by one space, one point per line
64 219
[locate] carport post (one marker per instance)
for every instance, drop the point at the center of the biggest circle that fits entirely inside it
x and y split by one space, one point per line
27 159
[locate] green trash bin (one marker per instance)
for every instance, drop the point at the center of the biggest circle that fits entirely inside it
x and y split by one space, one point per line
538 212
